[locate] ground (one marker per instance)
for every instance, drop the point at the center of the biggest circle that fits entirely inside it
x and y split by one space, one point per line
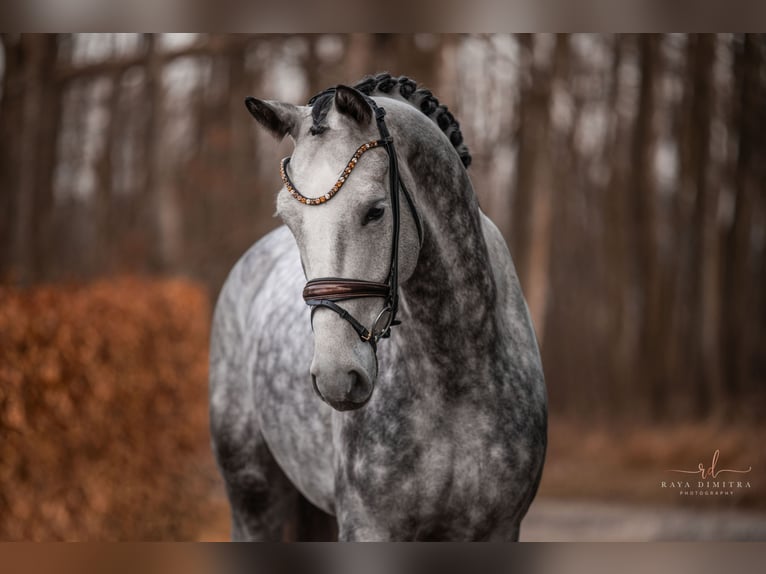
552 520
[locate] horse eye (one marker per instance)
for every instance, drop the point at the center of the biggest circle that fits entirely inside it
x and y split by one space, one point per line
374 214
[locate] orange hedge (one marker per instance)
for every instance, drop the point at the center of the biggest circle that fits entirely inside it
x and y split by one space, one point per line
103 411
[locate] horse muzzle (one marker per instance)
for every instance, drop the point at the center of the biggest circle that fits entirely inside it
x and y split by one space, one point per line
342 391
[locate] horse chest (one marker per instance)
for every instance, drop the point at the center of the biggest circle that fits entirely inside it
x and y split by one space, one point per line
456 469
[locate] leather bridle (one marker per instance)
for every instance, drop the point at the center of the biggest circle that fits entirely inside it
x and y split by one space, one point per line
329 291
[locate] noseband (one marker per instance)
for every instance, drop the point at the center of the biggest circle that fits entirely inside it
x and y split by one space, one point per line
329 291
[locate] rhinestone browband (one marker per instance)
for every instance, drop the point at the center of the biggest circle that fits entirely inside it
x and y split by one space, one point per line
338 184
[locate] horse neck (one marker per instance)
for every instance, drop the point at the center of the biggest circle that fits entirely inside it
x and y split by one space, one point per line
451 295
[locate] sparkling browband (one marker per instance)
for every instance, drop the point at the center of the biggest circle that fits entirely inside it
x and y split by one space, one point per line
338 184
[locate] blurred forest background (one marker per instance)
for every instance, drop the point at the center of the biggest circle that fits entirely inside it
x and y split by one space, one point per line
627 173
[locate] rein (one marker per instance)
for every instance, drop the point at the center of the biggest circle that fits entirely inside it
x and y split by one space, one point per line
328 291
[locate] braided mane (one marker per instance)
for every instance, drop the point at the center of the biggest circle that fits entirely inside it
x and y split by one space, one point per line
420 98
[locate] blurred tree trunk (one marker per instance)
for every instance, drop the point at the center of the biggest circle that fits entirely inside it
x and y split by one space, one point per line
163 212
418 55
145 216
448 81
11 112
707 243
643 192
359 49
242 144
313 66
532 213
755 329
528 124
221 108
105 178
36 97
45 120
615 240
736 293
699 358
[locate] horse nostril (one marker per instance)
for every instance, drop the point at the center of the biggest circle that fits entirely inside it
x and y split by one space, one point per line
316 388
360 387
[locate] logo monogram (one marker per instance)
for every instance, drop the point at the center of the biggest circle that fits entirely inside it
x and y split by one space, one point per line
711 471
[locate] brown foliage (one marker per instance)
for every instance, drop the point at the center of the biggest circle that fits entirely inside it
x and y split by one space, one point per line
103 400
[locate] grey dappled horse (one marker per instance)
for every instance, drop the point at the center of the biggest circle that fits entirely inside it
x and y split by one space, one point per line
437 431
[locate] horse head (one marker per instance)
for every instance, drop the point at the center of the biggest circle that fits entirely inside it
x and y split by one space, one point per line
341 200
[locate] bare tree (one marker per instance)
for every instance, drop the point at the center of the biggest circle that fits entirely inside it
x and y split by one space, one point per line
530 232
737 292
30 122
695 195
643 193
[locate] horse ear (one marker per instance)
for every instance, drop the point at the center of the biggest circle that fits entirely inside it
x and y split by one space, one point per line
350 102
277 117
